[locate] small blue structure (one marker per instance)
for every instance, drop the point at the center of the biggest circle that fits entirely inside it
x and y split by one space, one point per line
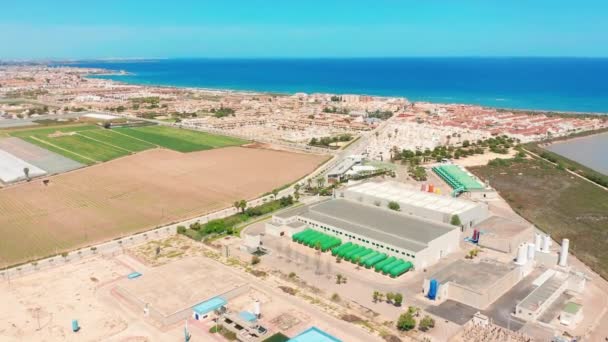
433 286
314 334
75 326
134 275
202 310
248 316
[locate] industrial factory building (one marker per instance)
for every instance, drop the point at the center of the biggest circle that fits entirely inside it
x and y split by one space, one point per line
412 201
421 241
476 284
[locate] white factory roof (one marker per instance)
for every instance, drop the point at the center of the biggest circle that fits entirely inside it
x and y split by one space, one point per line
406 194
384 225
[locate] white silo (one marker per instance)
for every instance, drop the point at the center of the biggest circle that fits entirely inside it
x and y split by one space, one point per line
531 251
546 244
538 241
563 254
522 256
257 309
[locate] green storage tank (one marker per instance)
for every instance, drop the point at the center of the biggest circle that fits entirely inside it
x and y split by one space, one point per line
374 260
388 267
370 255
305 234
352 252
346 250
355 258
383 263
336 250
400 269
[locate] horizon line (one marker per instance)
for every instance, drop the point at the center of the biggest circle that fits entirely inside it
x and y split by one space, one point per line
110 59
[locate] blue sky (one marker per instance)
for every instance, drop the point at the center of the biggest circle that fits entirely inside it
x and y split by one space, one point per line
305 28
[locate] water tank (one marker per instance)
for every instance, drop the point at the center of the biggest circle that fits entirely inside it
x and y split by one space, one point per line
563 254
546 244
531 251
522 255
257 309
538 241
433 287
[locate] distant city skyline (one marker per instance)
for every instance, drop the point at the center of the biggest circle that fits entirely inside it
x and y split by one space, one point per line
69 29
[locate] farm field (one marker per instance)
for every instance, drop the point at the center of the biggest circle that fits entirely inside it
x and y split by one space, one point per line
136 193
89 144
181 140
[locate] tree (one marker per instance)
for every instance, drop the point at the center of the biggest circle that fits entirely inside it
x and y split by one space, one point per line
406 322
394 206
390 296
320 182
340 279
376 296
243 205
26 172
398 299
426 323
455 221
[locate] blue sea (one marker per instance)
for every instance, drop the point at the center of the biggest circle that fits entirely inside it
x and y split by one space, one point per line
558 84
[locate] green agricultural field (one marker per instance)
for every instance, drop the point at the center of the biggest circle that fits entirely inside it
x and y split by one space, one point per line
89 144
181 140
116 139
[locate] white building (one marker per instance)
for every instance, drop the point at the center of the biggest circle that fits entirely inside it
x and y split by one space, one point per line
412 201
420 241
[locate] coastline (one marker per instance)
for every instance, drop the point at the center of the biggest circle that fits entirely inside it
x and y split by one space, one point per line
288 93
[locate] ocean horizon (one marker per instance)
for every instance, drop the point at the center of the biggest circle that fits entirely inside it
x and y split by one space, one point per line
536 83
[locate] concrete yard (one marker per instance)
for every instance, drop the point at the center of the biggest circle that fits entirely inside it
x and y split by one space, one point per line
187 288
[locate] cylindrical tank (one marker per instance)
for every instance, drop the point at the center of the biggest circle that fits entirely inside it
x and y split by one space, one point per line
257 309
546 244
531 251
538 241
563 254
522 255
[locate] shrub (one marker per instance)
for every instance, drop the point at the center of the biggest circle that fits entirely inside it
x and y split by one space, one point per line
406 322
394 206
426 323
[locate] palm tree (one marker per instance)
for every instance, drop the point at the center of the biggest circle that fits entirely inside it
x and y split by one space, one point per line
309 182
26 171
275 192
320 182
243 205
237 205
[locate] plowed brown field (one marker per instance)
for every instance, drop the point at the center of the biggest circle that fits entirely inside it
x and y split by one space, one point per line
136 193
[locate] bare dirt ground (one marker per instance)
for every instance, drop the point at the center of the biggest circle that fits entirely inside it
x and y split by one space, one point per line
136 193
41 306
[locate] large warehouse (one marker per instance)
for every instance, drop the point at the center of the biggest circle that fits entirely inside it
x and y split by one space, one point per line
415 202
420 241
